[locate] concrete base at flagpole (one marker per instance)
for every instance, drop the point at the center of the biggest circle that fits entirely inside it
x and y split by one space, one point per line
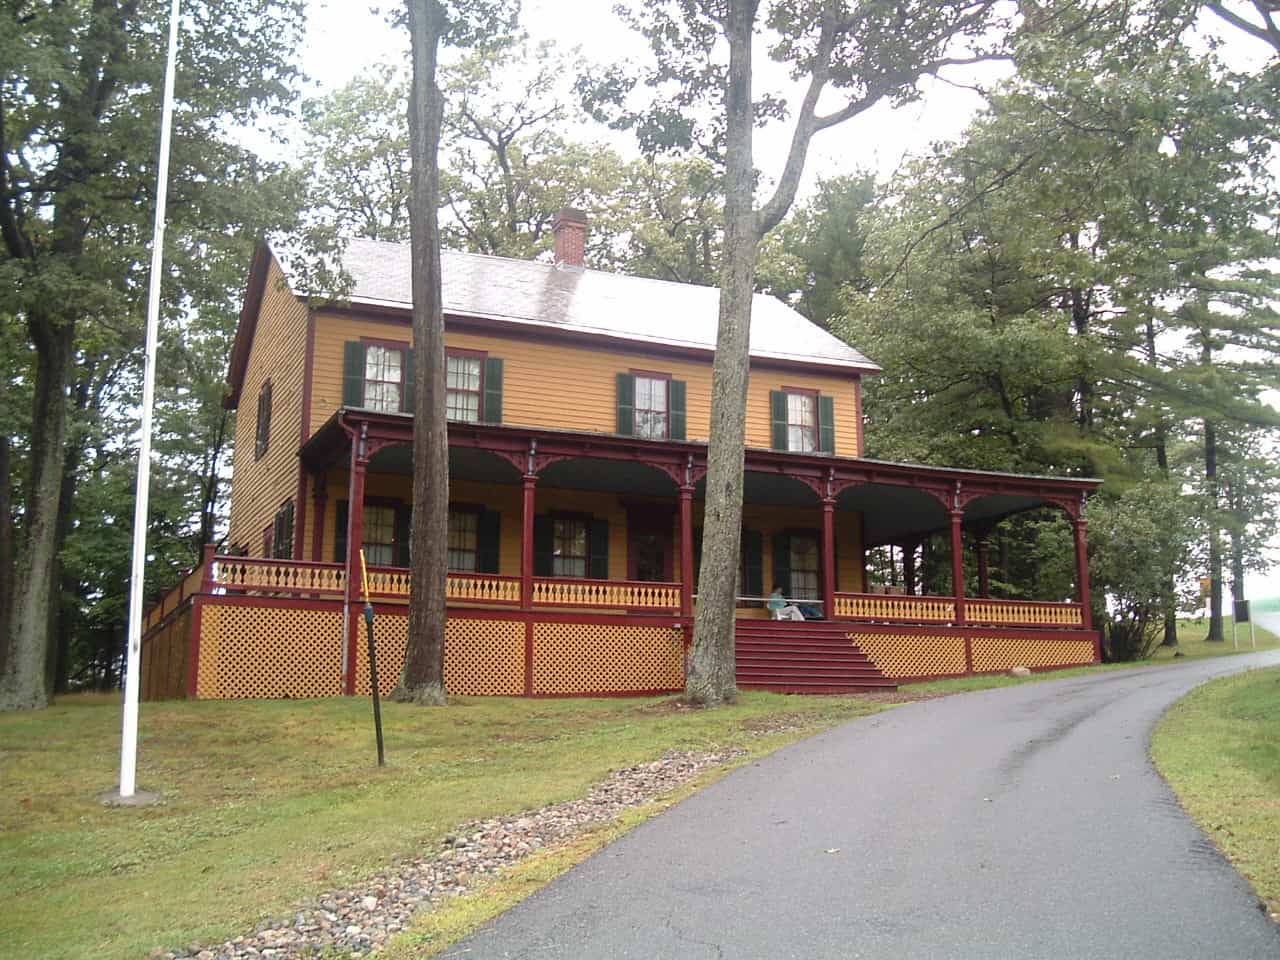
140 798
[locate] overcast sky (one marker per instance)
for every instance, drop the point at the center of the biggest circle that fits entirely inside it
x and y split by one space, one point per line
346 37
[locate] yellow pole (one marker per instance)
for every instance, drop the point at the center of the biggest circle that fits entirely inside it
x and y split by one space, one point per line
364 575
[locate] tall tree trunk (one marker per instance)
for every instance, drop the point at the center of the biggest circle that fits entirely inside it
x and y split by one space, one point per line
1215 633
22 685
1162 461
1236 536
422 680
712 671
6 548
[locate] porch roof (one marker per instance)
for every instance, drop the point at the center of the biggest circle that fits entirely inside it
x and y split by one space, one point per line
898 501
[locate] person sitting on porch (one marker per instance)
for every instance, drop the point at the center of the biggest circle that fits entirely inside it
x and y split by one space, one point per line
782 610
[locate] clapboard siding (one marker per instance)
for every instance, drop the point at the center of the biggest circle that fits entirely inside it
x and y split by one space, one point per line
573 387
278 353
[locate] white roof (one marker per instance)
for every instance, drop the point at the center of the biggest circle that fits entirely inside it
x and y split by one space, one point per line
591 302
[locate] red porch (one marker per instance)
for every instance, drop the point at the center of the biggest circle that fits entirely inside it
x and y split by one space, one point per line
540 621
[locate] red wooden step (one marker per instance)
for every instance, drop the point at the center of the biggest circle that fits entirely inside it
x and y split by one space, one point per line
811 656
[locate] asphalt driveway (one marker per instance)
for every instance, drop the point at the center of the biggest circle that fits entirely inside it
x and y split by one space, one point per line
1018 823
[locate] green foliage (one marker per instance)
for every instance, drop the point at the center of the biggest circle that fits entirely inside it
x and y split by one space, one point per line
818 250
1141 543
80 95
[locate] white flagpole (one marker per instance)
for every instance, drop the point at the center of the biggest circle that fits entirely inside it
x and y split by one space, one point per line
129 739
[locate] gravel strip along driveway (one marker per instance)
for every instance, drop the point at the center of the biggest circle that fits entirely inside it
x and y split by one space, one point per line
1024 822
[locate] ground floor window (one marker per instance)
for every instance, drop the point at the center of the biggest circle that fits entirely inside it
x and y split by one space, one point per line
804 568
569 547
380 536
464 540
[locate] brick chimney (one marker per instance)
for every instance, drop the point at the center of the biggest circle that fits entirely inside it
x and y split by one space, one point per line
569 227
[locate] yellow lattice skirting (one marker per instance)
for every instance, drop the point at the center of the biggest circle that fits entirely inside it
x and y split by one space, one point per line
606 658
482 657
1001 653
902 656
269 651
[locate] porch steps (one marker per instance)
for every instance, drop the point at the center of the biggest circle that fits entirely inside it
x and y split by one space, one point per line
813 656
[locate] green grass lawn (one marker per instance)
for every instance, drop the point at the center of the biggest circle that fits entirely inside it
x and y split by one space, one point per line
1219 748
267 802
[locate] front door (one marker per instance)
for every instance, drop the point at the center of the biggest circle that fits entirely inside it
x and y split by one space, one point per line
649 543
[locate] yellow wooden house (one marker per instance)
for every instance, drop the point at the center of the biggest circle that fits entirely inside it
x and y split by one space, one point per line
579 407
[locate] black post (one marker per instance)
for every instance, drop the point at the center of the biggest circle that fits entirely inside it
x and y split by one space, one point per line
373 679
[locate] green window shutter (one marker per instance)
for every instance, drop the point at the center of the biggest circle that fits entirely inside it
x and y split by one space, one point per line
598 550
492 412
778 416
404 528
626 404
782 563
697 555
353 374
488 531
753 564
826 424
543 545
407 395
676 404
285 548
340 531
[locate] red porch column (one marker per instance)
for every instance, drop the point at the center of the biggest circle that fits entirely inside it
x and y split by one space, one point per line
319 499
526 573
686 551
829 557
984 580
355 540
526 542
1082 571
957 562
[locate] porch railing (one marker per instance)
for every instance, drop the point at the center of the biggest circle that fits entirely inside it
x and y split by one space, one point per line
629 594
894 608
257 575
1024 613
253 575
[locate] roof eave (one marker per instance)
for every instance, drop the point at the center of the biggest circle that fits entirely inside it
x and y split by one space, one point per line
247 326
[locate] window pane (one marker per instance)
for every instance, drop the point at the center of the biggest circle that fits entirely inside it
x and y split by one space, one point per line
570 556
804 568
651 408
462 540
379 536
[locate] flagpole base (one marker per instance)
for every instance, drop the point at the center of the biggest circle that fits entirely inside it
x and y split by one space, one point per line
140 798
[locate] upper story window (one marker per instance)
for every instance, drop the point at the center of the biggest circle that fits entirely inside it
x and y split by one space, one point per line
384 371
803 421
464 374
379 376
263 435
651 406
